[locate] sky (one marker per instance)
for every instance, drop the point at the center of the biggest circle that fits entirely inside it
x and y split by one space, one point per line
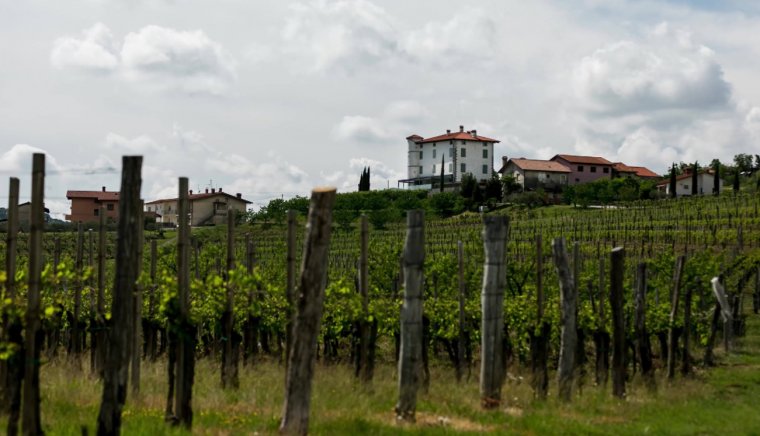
274 97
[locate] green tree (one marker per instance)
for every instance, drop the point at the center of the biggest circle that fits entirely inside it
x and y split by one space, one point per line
493 188
743 161
672 187
715 164
569 195
736 180
442 180
467 185
443 204
379 218
344 218
510 185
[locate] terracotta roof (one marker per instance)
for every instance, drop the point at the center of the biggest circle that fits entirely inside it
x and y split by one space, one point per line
681 177
538 165
457 135
199 196
414 137
645 172
622 168
583 159
99 195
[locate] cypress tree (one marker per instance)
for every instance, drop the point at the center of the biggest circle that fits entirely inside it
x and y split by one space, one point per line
694 179
673 181
366 181
736 180
361 181
716 179
442 173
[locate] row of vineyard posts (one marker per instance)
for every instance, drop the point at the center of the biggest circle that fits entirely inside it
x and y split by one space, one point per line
119 343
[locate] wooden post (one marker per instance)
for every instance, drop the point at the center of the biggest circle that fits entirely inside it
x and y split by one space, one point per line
30 418
410 353
229 366
153 345
137 312
576 269
725 309
617 271
364 371
101 315
11 369
185 345
120 335
462 320
539 339
290 290
492 303
310 305
643 347
686 361
569 314
93 302
252 342
76 342
602 337
672 338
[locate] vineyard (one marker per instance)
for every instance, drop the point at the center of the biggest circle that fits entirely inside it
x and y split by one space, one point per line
476 323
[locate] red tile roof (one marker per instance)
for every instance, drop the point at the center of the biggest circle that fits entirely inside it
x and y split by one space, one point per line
645 172
593 160
681 177
457 135
199 196
414 137
539 165
99 195
622 168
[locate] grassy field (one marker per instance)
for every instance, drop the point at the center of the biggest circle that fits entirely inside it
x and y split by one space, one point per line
719 401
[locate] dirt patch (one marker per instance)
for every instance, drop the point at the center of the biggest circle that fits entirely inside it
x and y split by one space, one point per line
424 419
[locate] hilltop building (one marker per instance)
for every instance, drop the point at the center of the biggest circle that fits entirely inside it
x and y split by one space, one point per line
461 152
585 169
204 208
85 205
705 181
534 174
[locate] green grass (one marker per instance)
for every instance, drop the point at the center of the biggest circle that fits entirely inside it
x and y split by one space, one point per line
719 401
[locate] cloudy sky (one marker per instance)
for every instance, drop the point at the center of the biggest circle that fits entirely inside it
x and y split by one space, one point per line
273 97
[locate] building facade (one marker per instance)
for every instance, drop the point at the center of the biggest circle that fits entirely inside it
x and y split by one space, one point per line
535 174
705 181
204 208
584 169
85 205
459 152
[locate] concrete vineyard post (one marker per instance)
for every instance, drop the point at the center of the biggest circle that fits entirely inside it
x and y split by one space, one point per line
137 312
410 353
539 337
309 307
152 346
640 329
102 334
30 418
725 311
617 271
492 304
672 338
11 240
93 303
184 331
120 335
569 309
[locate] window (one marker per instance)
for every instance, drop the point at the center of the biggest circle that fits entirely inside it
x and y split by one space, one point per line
433 154
485 144
485 154
562 178
685 186
451 167
577 180
593 169
148 208
97 212
170 208
606 170
463 142
548 176
420 155
110 206
463 152
463 168
580 168
433 169
485 169
420 170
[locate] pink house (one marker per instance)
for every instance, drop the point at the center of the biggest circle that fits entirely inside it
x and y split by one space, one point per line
584 169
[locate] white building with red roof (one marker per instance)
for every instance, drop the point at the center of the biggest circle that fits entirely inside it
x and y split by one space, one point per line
458 152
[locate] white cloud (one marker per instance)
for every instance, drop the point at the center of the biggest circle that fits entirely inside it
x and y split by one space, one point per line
187 60
345 33
95 51
19 159
362 129
154 57
469 36
666 71
139 144
394 122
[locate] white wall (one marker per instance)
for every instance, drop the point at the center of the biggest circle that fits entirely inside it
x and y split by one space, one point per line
431 159
704 185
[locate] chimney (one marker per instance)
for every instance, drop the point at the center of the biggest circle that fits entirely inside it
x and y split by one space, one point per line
206 190
104 189
220 189
239 195
448 132
687 171
213 190
504 160
461 129
191 192
475 134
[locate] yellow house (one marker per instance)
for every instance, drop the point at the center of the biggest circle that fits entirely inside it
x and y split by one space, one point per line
204 208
